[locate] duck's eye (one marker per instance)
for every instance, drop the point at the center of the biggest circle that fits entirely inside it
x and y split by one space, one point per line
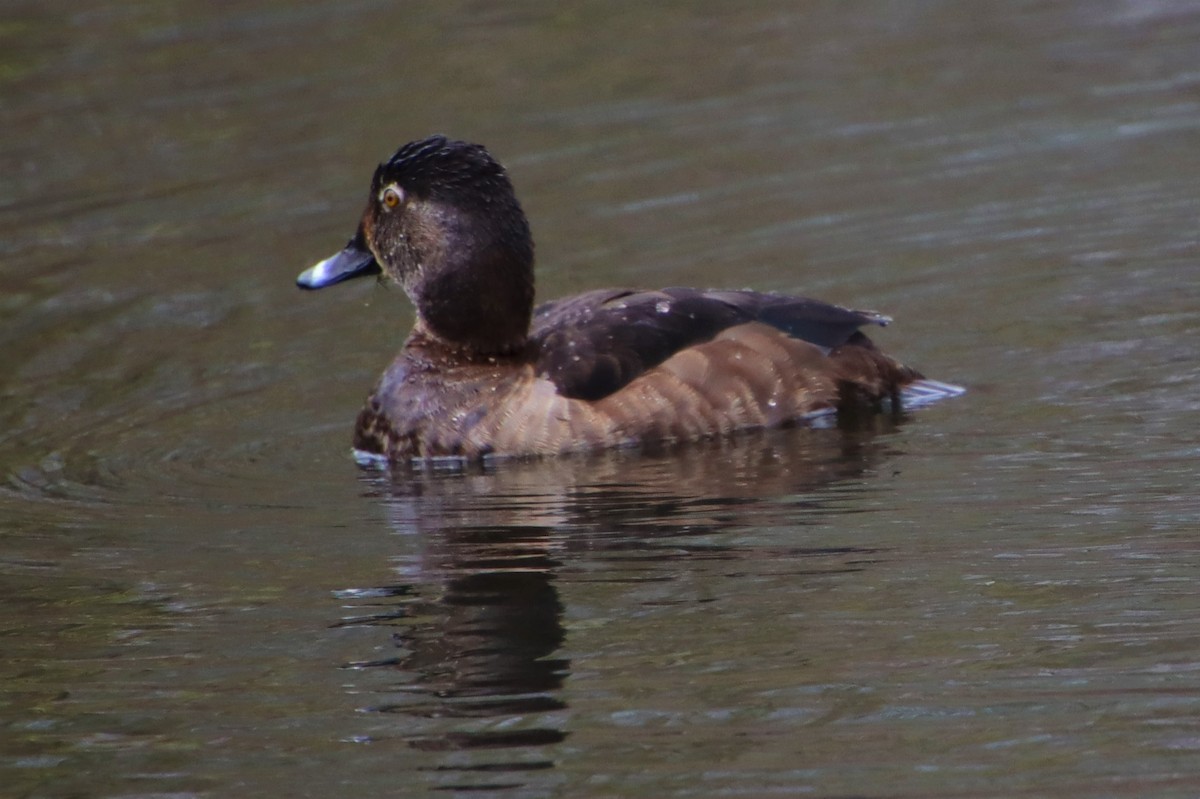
391 196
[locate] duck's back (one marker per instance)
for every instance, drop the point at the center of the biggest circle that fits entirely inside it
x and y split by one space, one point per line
594 344
616 367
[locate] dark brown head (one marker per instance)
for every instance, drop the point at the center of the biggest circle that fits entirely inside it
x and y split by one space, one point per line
443 221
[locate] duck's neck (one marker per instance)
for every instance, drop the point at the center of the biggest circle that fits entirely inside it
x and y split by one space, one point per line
479 299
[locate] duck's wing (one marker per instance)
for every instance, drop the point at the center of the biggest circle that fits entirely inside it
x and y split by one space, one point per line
592 344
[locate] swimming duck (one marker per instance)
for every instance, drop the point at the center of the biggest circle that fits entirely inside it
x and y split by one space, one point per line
484 372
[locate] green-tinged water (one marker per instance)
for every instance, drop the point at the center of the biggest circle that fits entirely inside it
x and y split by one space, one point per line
202 594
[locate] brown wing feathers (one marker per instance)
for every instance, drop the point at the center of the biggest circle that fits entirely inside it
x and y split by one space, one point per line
594 345
750 375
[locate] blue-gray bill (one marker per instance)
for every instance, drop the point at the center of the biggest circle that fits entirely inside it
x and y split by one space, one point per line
353 261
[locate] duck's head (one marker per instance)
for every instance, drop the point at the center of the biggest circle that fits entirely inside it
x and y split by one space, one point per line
442 220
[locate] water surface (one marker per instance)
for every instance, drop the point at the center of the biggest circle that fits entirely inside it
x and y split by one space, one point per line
204 595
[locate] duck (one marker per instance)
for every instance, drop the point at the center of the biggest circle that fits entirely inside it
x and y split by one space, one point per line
485 373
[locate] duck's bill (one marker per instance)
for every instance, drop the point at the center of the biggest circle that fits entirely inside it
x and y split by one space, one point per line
353 261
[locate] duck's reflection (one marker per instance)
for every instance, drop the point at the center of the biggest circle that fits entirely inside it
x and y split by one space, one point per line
476 616
479 622
484 647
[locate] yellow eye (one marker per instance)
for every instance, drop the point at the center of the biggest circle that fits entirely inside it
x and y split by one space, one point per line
391 196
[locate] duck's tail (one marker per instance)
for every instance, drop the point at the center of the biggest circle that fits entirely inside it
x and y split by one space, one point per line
924 391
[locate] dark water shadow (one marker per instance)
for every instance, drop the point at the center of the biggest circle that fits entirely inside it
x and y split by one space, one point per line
477 620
